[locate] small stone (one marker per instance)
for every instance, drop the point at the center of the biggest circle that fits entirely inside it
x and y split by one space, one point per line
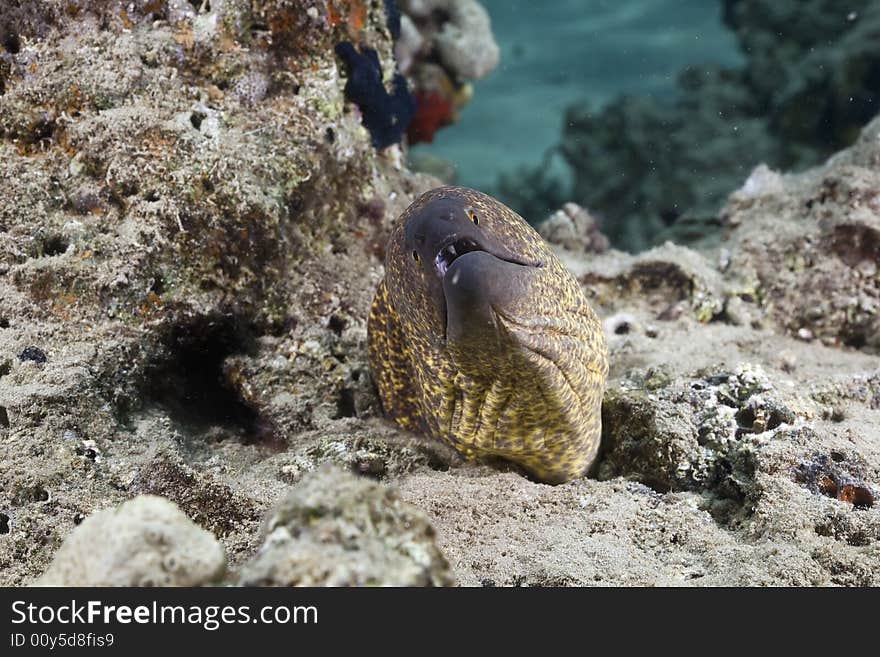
787 362
34 354
146 541
620 324
336 529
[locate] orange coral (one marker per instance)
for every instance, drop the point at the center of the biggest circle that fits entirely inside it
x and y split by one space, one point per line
355 10
433 111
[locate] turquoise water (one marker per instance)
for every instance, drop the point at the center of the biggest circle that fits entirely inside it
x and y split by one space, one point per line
559 52
650 112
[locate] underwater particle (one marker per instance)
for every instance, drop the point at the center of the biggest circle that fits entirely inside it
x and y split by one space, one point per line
385 115
34 354
480 337
433 111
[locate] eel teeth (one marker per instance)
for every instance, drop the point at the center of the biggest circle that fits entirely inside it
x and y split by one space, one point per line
445 258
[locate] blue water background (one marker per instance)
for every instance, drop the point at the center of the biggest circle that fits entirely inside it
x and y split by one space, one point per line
557 52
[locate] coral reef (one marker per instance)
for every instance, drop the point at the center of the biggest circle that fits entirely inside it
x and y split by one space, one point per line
189 199
192 226
336 529
146 541
444 45
459 31
655 170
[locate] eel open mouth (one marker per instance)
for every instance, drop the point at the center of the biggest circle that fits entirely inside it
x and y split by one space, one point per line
457 247
451 251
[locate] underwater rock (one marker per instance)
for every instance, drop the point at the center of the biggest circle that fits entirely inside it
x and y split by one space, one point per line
193 225
214 506
465 42
666 282
335 529
187 200
811 242
692 435
575 229
146 541
459 31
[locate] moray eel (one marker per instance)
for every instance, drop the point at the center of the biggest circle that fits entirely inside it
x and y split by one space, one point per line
479 336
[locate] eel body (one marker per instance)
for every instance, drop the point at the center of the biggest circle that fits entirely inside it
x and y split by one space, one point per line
479 336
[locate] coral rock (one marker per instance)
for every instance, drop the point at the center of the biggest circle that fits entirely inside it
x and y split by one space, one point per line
335 529
146 541
574 228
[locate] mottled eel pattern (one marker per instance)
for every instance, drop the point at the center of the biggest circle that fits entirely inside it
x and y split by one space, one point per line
479 336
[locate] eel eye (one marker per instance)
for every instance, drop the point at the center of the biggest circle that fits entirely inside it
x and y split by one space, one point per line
415 255
475 219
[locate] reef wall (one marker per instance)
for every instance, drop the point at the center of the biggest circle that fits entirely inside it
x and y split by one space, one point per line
191 227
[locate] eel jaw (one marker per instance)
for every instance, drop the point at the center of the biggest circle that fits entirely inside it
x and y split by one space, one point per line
472 280
448 253
458 246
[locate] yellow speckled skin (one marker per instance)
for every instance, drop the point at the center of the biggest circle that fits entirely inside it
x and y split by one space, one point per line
526 384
